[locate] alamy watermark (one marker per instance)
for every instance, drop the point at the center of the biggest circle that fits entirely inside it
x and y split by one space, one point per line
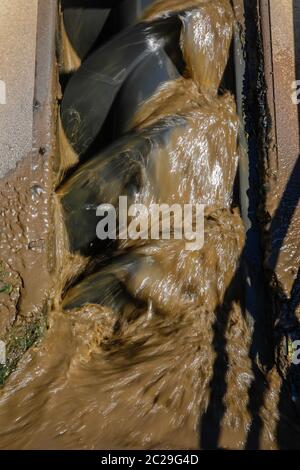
156 221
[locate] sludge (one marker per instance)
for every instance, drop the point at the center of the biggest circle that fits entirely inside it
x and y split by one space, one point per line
183 150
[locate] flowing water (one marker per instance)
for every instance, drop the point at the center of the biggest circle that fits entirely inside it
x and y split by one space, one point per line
149 348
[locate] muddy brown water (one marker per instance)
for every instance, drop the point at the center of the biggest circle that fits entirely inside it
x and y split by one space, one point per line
157 376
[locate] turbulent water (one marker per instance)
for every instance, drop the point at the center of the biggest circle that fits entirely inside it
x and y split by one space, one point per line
153 347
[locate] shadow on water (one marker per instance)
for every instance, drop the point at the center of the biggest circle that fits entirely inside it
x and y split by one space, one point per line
250 274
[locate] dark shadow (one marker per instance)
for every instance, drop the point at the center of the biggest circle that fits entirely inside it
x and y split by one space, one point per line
64 78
